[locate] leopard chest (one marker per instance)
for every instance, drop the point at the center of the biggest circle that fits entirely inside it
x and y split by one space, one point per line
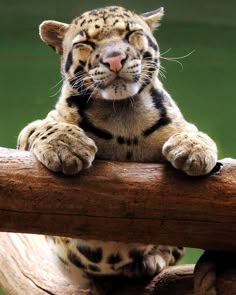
125 131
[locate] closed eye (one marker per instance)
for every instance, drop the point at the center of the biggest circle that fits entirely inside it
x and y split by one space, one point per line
82 43
133 33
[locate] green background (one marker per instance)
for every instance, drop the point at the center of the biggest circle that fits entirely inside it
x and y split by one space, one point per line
204 89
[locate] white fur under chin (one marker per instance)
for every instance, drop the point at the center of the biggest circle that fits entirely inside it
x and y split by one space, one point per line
110 94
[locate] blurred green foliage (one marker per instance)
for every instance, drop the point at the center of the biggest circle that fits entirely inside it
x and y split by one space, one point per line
203 88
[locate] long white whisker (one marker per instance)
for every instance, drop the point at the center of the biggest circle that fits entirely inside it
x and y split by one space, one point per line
60 81
57 92
163 53
179 57
177 61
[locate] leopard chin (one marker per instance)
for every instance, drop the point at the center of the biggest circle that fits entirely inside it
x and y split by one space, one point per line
120 89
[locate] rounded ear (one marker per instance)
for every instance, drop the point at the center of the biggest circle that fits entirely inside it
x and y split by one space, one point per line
52 33
153 18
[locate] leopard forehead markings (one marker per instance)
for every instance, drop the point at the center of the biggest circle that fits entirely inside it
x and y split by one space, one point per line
105 20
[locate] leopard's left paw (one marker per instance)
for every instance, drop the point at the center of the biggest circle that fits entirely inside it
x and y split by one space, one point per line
194 153
148 265
152 261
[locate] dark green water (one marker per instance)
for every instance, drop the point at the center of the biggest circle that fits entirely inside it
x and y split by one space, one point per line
204 89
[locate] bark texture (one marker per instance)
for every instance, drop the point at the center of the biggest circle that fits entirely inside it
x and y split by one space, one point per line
132 202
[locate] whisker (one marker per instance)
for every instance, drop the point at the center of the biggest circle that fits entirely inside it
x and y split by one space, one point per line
163 53
177 61
179 57
57 92
60 81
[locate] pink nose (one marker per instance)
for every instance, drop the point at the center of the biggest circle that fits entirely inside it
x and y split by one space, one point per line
114 61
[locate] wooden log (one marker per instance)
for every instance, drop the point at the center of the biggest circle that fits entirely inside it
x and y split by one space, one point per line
28 267
131 202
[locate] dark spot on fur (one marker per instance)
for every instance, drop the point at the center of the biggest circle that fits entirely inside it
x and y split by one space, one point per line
129 155
136 254
128 141
120 139
83 63
115 22
69 61
135 140
161 122
62 260
79 70
94 268
66 241
51 132
88 126
176 254
147 55
74 259
83 22
114 258
27 142
79 101
151 43
158 101
94 255
48 128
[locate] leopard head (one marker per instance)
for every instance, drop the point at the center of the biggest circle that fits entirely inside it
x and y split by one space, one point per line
109 53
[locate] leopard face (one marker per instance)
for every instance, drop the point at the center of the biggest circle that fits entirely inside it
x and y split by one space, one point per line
108 53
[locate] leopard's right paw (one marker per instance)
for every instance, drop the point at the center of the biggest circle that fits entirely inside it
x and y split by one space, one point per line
64 148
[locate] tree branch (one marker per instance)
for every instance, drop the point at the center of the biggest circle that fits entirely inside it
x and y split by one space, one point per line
149 203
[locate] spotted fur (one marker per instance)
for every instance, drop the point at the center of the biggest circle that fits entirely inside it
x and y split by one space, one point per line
113 106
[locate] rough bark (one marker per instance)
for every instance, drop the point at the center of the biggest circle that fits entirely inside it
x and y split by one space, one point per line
119 201
27 267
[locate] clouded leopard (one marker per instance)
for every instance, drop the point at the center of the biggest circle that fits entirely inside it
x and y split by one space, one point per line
113 106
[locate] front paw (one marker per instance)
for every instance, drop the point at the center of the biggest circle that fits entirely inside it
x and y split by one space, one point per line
194 153
64 148
147 265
